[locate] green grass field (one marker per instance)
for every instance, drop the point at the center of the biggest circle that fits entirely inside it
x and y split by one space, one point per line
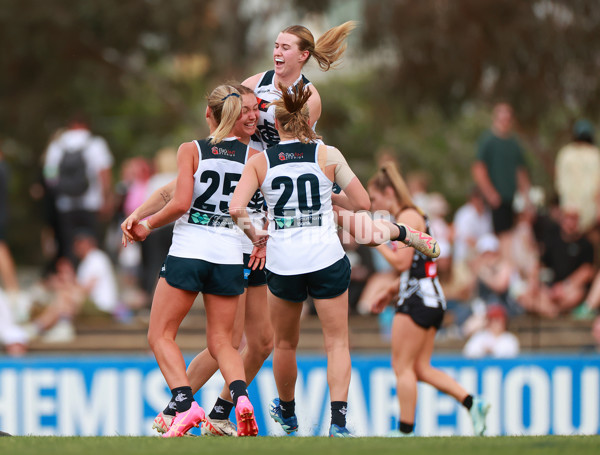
542 445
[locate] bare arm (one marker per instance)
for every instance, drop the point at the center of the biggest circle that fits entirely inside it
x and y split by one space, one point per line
156 201
252 81
401 258
314 106
334 165
187 163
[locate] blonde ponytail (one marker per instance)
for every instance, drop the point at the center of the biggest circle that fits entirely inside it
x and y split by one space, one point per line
225 103
329 48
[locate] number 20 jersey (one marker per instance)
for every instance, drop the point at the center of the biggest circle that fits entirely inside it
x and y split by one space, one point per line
302 230
206 231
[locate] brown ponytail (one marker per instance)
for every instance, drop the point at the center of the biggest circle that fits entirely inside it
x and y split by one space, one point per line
389 176
291 112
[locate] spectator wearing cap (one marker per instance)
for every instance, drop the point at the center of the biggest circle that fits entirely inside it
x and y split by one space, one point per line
494 340
577 176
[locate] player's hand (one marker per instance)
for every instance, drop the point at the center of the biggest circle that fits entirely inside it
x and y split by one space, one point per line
258 257
126 227
138 232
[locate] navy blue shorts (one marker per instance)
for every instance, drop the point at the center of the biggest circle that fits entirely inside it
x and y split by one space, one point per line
202 276
326 283
253 277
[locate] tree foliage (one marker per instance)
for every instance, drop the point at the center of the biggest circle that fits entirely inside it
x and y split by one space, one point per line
139 70
535 54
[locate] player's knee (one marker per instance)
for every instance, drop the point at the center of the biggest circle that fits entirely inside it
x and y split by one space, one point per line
422 372
265 348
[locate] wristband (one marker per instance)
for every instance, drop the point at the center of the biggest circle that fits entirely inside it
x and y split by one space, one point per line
146 224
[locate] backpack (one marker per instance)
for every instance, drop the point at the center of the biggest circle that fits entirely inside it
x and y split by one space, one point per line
72 173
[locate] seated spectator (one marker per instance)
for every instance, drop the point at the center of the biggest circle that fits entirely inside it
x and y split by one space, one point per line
591 305
91 290
494 340
567 258
472 221
496 277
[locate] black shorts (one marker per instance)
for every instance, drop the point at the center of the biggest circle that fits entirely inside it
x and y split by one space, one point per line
203 276
422 315
253 277
326 283
503 217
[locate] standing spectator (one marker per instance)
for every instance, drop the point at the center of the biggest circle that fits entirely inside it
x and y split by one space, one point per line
577 177
78 170
499 171
494 340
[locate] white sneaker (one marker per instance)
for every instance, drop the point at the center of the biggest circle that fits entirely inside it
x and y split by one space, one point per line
62 332
217 427
162 422
478 414
422 242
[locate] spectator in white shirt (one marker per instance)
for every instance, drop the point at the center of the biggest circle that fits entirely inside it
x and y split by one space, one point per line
90 289
494 340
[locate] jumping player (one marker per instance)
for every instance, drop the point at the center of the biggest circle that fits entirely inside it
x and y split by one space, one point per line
293 48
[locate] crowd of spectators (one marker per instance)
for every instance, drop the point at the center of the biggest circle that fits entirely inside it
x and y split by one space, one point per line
509 249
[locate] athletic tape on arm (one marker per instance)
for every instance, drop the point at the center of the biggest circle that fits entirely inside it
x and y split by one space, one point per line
343 173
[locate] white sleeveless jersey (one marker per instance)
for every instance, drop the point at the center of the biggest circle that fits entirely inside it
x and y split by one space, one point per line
206 231
266 93
256 207
302 231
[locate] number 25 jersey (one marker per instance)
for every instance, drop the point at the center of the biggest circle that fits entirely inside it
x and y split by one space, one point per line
302 231
206 231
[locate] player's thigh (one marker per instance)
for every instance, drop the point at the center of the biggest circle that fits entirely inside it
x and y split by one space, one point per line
169 307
